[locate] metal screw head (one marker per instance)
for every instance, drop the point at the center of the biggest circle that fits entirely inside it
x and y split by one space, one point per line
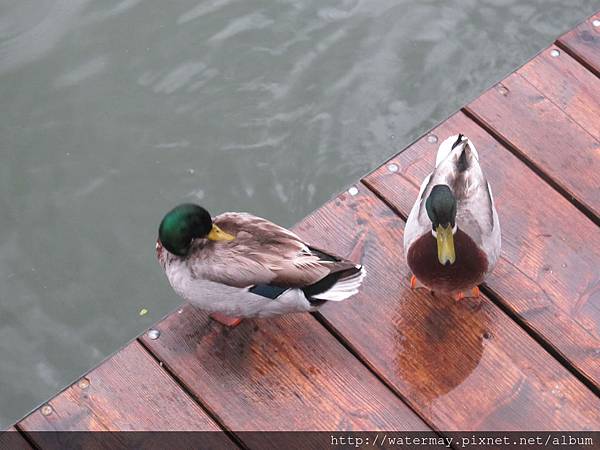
153 334
596 22
393 167
432 139
84 383
353 191
555 53
46 410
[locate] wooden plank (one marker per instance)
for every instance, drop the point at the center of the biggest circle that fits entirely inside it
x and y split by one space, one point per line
128 392
284 373
544 135
568 85
584 43
460 366
547 274
12 439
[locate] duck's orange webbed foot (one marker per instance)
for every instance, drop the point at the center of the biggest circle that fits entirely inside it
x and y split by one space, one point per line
416 284
413 282
471 293
228 321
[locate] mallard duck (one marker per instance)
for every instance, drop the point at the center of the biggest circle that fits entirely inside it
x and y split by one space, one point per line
452 235
239 265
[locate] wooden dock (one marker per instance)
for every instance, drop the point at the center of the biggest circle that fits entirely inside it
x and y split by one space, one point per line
526 356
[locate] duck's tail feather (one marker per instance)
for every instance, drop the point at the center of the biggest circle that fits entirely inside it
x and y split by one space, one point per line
459 142
337 286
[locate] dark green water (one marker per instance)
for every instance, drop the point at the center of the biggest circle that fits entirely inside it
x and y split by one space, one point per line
112 112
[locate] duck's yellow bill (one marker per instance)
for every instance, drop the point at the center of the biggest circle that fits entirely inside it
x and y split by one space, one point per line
216 234
445 244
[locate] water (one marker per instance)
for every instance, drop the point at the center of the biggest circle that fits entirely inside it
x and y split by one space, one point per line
112 112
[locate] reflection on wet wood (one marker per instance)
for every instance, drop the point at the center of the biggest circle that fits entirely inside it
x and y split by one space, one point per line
547 274
130 391
543 134
584 43
286 373
462 366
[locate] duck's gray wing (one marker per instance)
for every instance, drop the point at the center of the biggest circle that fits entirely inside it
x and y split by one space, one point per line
262 253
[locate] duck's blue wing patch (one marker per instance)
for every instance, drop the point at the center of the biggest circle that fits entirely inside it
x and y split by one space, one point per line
267 290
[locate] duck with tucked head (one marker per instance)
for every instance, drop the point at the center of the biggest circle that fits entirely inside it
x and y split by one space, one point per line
238 265
452 235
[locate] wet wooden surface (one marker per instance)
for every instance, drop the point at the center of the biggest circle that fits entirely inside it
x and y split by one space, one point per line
547 274
524 357
567 84
544 135
286 373
440 355
583 42
129 392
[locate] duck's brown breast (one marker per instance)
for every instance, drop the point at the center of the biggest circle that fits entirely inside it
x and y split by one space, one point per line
468 269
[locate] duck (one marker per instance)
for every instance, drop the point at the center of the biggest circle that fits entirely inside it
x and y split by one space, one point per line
237 265
452 238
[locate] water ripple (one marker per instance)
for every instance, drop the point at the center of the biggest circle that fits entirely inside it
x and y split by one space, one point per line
37 41
254 21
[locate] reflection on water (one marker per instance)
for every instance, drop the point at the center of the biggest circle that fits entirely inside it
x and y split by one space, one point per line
113 111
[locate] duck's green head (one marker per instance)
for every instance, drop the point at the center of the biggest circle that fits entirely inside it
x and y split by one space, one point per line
183 224
441 209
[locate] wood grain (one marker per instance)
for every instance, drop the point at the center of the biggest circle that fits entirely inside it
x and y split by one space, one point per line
285 373
462 366
568 85
128 392
12 439
543 134
548 273
584 43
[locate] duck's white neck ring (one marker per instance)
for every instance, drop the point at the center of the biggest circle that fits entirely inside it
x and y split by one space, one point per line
454 229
